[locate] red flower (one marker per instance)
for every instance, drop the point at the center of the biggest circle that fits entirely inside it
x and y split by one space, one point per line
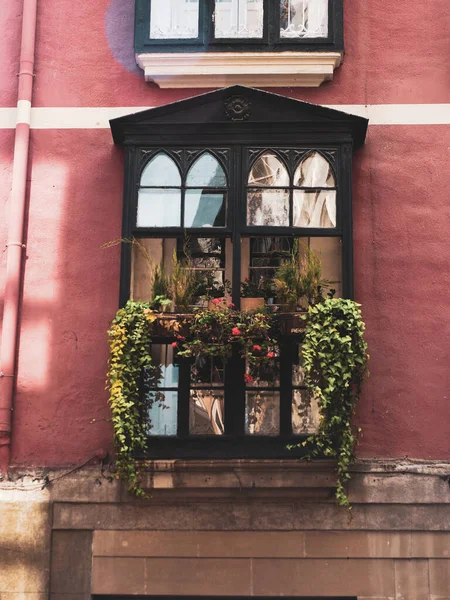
270 354
247 279
174 344
217 300
256 348
232 305
180 337
235 331
248 378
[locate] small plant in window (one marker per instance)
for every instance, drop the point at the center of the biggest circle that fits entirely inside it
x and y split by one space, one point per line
298 281
183 284
253 294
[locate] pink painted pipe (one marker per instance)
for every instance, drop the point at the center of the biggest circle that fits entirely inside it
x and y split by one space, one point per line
9 341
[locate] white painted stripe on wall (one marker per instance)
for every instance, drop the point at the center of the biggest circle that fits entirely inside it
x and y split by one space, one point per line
98 117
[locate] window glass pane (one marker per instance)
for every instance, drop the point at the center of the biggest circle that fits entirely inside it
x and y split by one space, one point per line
207 371
174 19
314 171
314 209
161 171
330 251
162 355
206 172
262 412
159 208
268 207
239 19
305 413
162 413
204 209
149 253
268 170
304 18
206 416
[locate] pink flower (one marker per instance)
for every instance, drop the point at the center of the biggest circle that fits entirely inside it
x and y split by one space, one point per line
248 378
232 305
217 301
270 354
256 348
235 331
180 337
174 344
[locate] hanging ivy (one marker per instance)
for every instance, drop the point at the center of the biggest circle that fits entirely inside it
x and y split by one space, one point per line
129 342
334 353
334 358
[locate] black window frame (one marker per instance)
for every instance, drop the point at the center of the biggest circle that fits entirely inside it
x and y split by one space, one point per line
270 42
187 129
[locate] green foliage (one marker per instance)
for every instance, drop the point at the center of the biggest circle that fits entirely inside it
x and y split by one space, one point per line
298 280
335 357
214 333
129 342
261 289
183 283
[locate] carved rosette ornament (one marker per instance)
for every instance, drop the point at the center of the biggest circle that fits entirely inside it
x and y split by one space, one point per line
237 108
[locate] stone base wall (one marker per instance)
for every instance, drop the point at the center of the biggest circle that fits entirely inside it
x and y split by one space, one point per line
85 536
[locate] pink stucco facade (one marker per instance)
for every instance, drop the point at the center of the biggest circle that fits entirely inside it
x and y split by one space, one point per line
394 55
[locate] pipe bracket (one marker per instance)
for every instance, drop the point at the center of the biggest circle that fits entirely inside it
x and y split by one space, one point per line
15 244
4 375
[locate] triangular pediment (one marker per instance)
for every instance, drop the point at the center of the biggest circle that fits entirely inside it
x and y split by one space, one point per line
242 106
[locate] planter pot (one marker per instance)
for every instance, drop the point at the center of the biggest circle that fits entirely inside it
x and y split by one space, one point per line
292 324
251 304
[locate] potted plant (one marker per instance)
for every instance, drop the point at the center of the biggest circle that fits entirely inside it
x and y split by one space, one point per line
217 293
253 294
298 281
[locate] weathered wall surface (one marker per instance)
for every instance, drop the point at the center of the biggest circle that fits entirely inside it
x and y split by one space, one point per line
261 539
71 285
25 539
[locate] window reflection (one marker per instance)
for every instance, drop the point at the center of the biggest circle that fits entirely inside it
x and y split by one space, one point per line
262 412
239 19
161 394
174 19
206 412
304 18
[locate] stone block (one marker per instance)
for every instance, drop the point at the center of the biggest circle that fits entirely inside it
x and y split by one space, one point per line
25 547
144 515
71 562
118 576
430 545
356 544
440 579
411 580
323 577
217 544
222 516
199 577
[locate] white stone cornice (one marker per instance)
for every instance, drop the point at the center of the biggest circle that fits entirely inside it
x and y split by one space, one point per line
221 69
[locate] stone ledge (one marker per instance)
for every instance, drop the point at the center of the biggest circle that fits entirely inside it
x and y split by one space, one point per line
255 69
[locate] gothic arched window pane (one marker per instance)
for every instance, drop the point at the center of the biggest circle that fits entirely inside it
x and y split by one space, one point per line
268 206
314 207
206 172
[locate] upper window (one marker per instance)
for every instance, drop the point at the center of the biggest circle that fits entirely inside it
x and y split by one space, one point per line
210 23
227 27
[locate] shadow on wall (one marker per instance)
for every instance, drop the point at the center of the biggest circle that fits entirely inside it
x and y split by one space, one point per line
119 28
71 289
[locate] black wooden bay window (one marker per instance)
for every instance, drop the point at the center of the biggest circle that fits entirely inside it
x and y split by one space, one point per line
230 25
229 182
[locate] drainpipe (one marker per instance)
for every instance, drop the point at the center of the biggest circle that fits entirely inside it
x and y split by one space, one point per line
15 246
